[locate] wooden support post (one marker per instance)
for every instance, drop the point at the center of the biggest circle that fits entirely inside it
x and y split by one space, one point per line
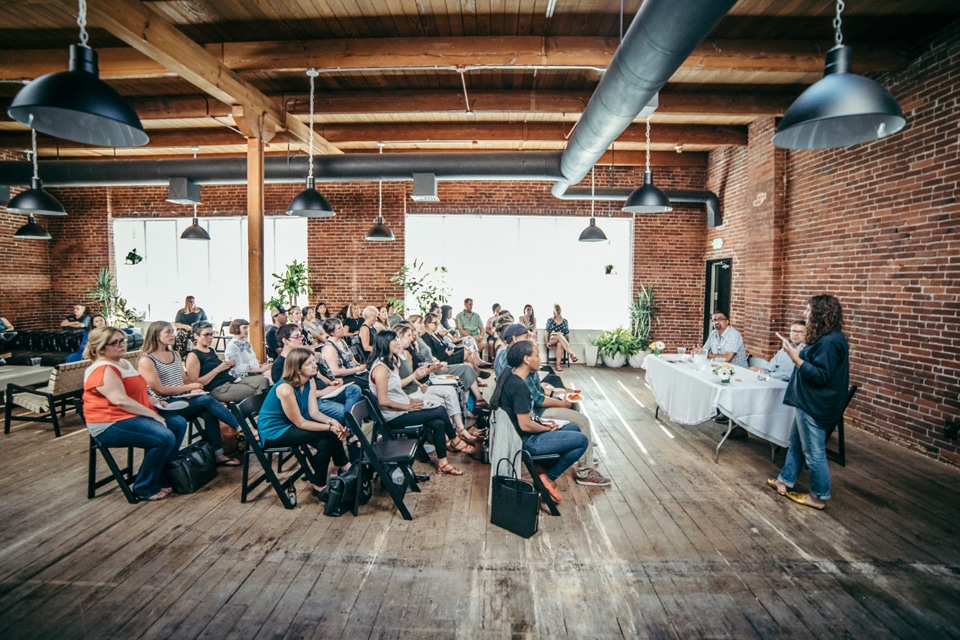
255 243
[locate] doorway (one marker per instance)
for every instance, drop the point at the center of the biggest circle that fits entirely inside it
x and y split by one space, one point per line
717 293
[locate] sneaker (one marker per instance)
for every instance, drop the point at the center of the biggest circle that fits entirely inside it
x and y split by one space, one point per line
594 479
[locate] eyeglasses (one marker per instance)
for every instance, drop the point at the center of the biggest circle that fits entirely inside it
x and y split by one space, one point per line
206 334
117 343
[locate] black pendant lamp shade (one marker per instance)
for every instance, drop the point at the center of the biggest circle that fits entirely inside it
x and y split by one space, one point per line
36 201
195 232
839 110
76 105
647 198
379 232
593 233
31 231
310 203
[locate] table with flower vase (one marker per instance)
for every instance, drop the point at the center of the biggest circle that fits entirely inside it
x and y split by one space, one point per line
690 396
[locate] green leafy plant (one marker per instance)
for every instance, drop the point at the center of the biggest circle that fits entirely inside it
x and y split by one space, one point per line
112 305
422 284
133 257
292 283
619 340
642 312
397 304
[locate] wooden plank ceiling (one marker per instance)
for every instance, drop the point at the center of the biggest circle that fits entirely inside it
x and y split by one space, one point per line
204 74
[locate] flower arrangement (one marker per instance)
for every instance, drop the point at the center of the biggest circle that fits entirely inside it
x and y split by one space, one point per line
724 372
657 347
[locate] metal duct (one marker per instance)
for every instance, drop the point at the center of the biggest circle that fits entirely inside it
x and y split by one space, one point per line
367 167
662 35
679 196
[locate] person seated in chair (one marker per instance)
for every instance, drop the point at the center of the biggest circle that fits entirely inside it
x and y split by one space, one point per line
241 352
290 417
279 317
781 366
206 367
399 410
97 321
558 335
118 412
466 374
162 369
337 359
79 320
539 436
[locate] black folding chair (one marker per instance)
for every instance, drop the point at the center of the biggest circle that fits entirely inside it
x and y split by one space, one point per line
379 451
840 455
124 476
416 432
246 414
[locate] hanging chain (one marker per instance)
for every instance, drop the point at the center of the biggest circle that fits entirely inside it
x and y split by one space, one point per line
313 74
837 21
648 143
82 23
33 136
380 189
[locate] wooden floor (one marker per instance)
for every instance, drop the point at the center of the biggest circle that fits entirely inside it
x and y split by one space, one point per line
678 547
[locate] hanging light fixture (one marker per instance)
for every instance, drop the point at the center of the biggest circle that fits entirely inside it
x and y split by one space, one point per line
840 109
31 231
592 233
76 104
309 203
195 231
35 199
647 198
380 232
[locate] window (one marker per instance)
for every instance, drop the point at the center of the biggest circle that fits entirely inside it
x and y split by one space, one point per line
537 260
214 272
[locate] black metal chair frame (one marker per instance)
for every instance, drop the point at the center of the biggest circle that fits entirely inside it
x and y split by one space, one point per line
246 413
416 432
124 476
840 455
381 452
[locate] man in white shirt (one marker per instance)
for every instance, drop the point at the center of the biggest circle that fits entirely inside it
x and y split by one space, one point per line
781 366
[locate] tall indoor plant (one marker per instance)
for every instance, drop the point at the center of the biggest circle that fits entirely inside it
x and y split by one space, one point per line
112 304
422 284
643 310
291 284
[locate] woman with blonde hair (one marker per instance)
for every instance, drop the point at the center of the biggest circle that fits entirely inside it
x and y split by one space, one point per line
367 331
558 335
118 412
186 316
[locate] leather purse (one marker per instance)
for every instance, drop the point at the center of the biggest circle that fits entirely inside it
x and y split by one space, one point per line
194 467
515 503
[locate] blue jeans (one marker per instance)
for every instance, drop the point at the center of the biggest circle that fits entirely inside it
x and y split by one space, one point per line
338 407
160 444
212 412
567 441
808 441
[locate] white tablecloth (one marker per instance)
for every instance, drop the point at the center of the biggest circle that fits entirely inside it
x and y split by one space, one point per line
690 397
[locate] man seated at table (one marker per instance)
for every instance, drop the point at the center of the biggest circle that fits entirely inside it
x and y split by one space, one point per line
553 408
78 320
781 366
727 343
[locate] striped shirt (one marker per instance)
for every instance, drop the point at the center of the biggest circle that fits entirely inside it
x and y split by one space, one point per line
171 375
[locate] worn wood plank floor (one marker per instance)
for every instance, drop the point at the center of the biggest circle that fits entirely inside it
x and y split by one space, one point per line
678 547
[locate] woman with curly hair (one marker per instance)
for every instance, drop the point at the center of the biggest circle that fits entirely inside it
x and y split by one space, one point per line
818 390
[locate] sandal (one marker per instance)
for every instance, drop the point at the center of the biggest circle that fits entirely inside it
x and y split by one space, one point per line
558 368
466 436
449 470
772 483
551 488
804 499
463 447
227 461
574 358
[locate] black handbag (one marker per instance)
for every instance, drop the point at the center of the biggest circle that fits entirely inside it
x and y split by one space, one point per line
515 503
342 490
194 467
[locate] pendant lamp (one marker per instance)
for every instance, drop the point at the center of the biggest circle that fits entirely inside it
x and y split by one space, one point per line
195 231
380 232
840 109
647 198
76 104
592 233
35 199
31 231
309 203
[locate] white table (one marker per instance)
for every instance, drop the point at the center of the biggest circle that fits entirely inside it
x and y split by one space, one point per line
690 397
22 375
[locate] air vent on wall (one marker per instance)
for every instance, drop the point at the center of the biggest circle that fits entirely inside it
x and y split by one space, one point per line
425 187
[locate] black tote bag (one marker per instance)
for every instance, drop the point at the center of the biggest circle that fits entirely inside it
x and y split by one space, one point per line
194 467
515 504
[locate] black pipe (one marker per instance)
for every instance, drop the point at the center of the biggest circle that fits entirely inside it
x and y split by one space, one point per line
662 35
511 165
680 196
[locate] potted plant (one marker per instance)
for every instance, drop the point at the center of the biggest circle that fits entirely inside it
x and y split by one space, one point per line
422 284
591 352
642 312
112 304
287 287
616 345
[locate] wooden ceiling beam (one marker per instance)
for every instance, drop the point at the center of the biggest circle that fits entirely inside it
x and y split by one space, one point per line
760 57
152 35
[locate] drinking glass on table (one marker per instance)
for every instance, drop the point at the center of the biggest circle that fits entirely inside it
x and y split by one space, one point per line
763 375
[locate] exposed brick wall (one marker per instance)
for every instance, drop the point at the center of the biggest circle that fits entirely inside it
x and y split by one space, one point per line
876 225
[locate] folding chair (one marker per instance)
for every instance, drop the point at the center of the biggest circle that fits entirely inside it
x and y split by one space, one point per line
840 455
246 413
416 432
505 442
124 476
381 450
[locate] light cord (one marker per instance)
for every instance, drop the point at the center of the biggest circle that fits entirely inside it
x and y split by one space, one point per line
33 137
648 143
313 74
